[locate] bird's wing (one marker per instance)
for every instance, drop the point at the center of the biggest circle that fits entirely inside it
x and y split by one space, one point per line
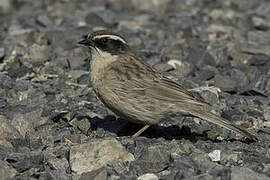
140 78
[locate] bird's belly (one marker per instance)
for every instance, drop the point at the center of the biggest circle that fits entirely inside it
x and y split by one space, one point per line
136 109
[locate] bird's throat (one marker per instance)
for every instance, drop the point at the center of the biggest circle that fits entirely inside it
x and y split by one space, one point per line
99 64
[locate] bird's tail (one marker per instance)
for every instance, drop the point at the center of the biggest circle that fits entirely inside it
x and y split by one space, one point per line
225 123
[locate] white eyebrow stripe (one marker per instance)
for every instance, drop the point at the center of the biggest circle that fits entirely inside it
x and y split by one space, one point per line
111 37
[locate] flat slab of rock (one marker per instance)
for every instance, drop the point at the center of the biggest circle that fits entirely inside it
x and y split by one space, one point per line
244 173
7 131
93 155
6 171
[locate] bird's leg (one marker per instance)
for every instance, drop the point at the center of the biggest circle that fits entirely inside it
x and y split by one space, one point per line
140 131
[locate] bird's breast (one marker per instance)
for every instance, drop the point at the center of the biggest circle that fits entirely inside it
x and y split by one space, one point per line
99 65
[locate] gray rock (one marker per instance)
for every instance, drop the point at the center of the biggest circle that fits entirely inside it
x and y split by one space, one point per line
83 124
215 155
29 121
2 54
5 151
247 5
148 177
99 174
40 38
7 131
162 67
203 161
239 52
61 134
42 138
200 58
266 114
111 18
262 84
22 85
34 99
253 47
208 94
94 20
53 174
205 176
77 57
243 173
231 158
22 162
219 52
5 4
72 139
263 9
232 80
60 164
182 68
119 5
84 79
158 7
260 23
259 37
38 54
6 82
19 69
266 169
152 159
6 172
96 153
76 74
44 20
184 166
152 6
206 73
259 60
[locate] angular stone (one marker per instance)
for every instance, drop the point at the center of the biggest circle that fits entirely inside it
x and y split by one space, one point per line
58 164
259 37
200 57
38 54
2 54
94 19
182 68
263 9
232 80
243 173
23 162
5 4
7 131
99 174
150 5
94 154
28 122
152 159
44 20
6 172
215 155
148 176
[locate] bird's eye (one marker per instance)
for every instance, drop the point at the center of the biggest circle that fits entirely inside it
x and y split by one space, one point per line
104 40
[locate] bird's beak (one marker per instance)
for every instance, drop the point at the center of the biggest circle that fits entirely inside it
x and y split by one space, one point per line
86 42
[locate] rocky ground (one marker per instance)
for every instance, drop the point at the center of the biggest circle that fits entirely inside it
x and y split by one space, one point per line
53 127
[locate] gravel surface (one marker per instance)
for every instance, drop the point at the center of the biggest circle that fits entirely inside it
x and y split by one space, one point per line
53 127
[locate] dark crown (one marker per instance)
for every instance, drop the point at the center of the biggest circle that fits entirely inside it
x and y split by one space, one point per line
106 41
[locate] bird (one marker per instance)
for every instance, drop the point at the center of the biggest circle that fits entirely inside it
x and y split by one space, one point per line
135 91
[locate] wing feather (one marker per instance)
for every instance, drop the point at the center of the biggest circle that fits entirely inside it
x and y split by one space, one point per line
139 77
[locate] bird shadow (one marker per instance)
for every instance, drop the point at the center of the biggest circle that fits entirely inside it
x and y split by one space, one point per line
123 128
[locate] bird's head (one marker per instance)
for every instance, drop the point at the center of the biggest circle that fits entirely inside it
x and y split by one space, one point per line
104 42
